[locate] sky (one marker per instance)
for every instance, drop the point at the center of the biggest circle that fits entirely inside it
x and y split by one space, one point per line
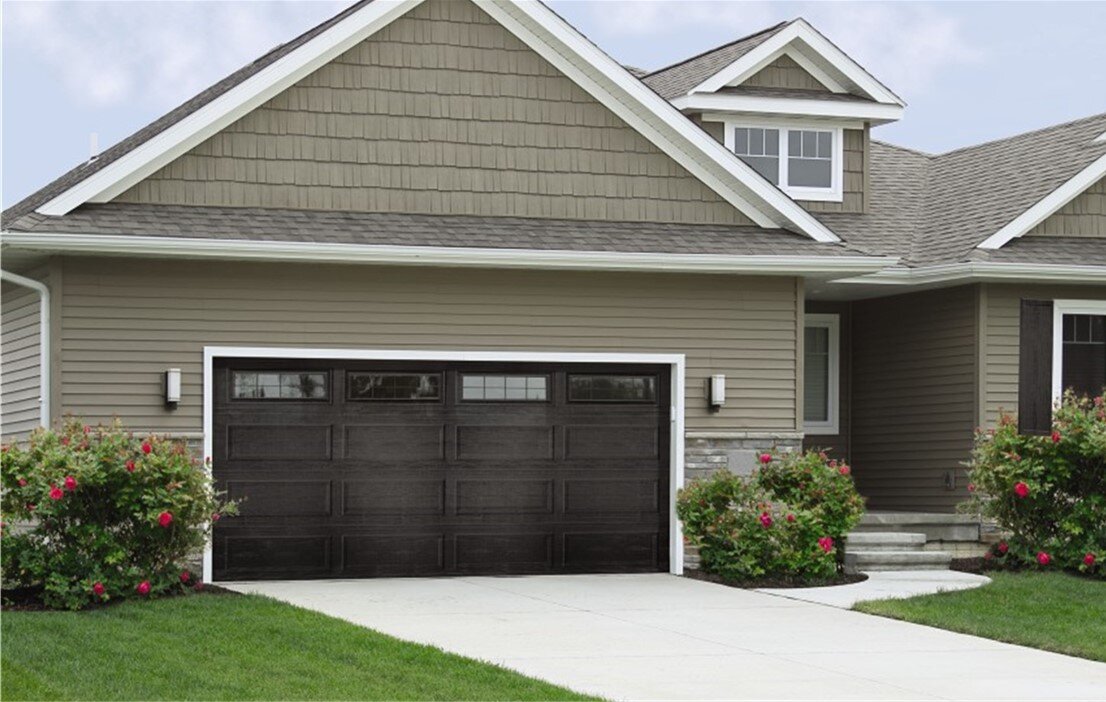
969 72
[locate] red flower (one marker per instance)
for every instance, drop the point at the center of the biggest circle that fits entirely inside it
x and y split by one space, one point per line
825 543
165 519
185 576
790 517
98 588
843 470
87 429
215 517
971 487
65 441
70 483
1002 547
143 588
146 448
130 466
1021 489
765 520
22 482
1088 560
198 586
765 458
30 506
1043 558
1056 437
55 492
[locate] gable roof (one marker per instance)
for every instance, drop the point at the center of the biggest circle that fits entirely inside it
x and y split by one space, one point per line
533 23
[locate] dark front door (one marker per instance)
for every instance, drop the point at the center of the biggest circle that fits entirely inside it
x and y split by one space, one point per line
363 469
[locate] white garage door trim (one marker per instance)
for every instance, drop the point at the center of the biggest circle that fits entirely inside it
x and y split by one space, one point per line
676 416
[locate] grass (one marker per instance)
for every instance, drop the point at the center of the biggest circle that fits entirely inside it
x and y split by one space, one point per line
227 647
1052 611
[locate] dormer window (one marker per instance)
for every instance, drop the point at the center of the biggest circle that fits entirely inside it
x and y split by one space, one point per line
805 162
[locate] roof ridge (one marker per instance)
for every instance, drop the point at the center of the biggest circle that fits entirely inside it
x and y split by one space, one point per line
1038 130
775 27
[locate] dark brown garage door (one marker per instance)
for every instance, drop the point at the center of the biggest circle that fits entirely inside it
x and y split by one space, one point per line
362 469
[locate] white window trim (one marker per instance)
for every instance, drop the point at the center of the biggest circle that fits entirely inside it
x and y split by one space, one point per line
832 425
1059 309
677 362
834 193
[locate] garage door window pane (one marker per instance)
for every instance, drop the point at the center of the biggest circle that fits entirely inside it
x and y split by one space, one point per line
516 388
395 386
612 388
279 385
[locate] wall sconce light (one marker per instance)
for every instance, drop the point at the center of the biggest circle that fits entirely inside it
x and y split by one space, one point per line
716 392
172 387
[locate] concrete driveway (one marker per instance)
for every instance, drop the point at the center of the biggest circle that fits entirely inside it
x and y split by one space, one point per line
665 637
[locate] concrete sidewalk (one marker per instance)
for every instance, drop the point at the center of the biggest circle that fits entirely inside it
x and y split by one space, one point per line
664 637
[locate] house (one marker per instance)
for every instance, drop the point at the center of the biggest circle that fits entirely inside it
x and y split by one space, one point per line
442 288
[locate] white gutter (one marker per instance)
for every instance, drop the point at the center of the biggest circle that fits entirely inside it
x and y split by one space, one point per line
983 270
43 340
243 249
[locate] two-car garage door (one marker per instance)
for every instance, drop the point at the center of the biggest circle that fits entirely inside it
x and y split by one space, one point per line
362 469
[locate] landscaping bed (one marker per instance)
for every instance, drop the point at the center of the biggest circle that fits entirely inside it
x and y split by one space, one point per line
777 581
1054 611
222 647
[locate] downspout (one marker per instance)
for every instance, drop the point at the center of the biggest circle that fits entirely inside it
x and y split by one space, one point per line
43 339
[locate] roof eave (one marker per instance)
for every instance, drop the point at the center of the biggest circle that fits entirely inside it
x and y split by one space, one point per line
982 271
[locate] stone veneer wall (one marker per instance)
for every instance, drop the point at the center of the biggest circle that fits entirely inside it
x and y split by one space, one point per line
705 453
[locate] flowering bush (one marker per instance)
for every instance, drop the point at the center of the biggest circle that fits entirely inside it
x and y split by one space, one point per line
787 520
1048 492
110 515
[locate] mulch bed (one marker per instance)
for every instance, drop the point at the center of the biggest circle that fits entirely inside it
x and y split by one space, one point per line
29 599
776 582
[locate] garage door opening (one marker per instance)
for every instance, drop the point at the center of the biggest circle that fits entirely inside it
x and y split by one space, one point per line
372 468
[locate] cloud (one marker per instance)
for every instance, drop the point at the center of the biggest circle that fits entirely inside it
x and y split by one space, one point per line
107 53
906 45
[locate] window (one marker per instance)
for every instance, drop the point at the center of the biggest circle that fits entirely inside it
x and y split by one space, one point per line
1083 364
612 388
805 162
821 373
279 385
515 388
394 386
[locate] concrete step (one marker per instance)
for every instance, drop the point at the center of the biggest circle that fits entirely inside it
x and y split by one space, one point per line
885 541
936 526
896 560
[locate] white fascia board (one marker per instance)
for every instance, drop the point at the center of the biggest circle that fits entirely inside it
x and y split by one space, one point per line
1047 206
800 31
179 138
445 256
803 107
570 52
983 271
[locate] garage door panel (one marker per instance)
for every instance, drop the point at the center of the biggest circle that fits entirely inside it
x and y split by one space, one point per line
276 555
278 441
611 441
393 497
504 442
610 551
504 496
395 442
612 497
390 554
281 498
485 553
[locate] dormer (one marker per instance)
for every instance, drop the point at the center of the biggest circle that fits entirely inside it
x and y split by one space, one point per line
792 105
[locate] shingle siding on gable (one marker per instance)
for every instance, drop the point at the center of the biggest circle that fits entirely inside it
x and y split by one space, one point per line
856 164
1085 216
441 112
784 73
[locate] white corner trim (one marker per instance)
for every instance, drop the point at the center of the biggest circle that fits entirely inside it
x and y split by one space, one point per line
832 426
1059 309
143 160
447 256
677 362
800 31
1048 205
801 107
984 271
45 382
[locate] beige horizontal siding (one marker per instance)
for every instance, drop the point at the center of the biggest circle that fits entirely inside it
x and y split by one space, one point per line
1084 216
855 150
441 112
20 376
125 322
914 397
1001 325
784 73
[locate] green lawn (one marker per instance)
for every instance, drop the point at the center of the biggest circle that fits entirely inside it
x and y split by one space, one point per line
227 647
1053 611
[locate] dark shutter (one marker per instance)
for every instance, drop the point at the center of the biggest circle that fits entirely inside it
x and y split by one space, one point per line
1035 368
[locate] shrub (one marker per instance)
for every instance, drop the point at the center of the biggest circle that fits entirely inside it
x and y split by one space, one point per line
109 515
1048 492
787 520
